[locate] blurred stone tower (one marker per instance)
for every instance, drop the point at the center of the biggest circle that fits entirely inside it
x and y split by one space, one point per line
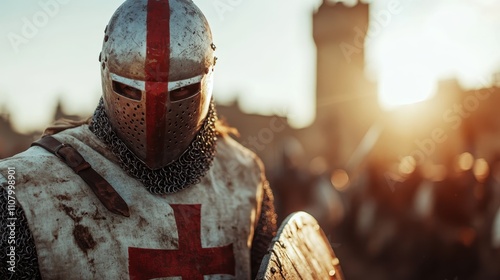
345 99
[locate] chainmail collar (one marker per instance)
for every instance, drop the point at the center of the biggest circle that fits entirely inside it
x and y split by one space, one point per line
188 170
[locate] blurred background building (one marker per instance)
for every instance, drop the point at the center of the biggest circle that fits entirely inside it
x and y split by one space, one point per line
407 193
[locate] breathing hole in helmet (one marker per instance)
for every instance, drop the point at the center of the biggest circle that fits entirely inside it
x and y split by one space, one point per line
185 92
127 91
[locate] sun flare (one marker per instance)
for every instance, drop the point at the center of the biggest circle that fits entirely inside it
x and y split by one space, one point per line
404 87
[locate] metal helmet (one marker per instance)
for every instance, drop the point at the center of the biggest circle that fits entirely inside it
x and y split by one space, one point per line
157 64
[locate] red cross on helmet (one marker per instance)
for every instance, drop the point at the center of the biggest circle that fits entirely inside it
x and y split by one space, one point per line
157 66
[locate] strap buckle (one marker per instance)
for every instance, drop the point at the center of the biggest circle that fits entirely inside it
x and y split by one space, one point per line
56 150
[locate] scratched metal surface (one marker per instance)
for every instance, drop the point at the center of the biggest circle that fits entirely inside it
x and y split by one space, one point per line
300 251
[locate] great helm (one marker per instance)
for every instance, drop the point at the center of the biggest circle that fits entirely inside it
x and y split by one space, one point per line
156 66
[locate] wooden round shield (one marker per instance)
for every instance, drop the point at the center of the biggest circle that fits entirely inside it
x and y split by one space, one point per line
300 250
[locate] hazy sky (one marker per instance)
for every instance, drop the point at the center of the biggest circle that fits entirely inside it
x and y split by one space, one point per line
50 48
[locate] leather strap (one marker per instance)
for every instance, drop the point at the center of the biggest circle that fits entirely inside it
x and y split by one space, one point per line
102 189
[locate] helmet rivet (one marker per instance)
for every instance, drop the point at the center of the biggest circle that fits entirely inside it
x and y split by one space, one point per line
213 46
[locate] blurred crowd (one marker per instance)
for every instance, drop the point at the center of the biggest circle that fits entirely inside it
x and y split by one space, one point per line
427 221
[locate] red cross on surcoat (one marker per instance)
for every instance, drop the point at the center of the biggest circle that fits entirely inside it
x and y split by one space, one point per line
190 260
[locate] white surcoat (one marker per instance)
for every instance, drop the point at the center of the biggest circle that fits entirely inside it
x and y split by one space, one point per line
202 232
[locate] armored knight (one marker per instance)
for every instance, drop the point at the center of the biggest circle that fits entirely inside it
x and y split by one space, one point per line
150 186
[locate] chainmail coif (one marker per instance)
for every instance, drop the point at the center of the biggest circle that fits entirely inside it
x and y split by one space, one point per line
187 170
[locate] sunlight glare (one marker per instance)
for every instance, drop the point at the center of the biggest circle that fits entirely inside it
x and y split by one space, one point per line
405 84
407 165
481 169
465 161
340 180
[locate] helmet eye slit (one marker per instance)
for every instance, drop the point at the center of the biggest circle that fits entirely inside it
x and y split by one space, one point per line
127 91
185 92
